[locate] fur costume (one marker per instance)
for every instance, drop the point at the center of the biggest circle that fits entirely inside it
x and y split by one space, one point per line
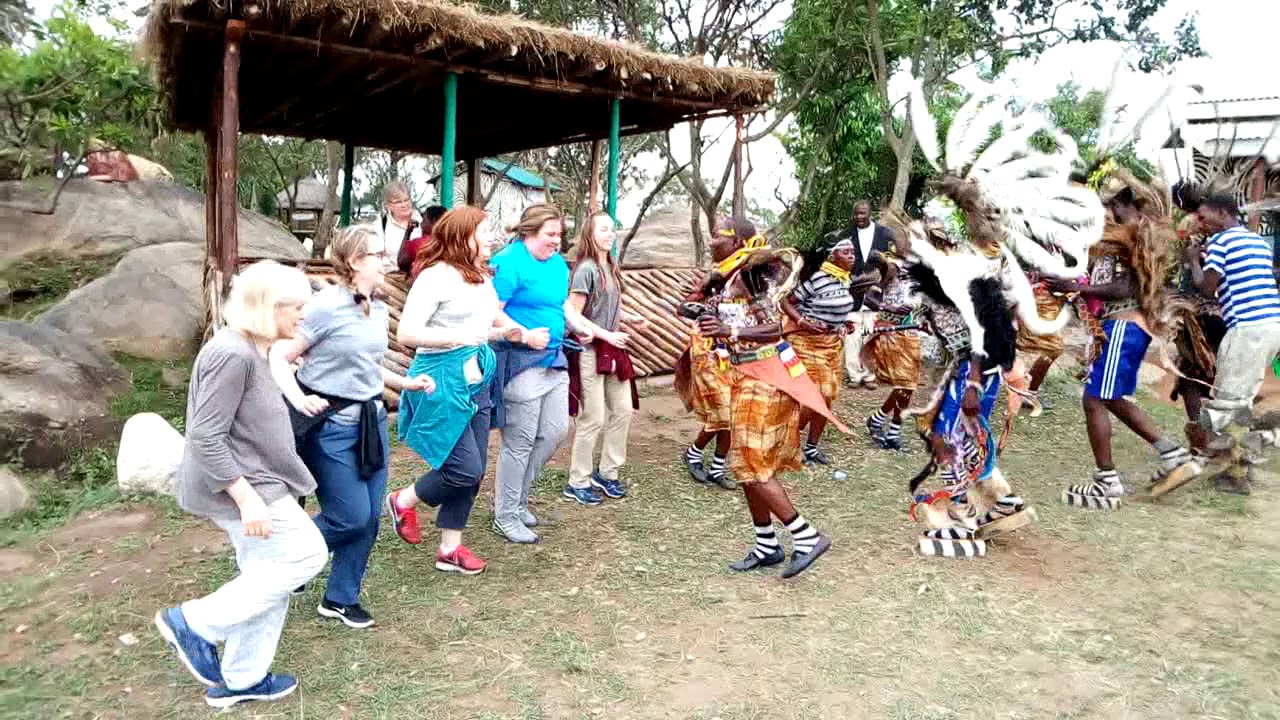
1006 207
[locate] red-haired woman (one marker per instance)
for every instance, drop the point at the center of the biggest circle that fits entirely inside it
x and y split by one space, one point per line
449 316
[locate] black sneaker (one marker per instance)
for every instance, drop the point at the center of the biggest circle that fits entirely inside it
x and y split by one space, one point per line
697 471
815 456
353 616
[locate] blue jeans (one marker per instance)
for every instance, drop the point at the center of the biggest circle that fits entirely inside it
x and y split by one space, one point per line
350 504
452 487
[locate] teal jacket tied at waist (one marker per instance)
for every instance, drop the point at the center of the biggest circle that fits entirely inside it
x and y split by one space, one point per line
430 424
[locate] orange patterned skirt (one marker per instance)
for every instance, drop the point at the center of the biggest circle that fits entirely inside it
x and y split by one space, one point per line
1046 346
823 358
896 358
711 389
766 430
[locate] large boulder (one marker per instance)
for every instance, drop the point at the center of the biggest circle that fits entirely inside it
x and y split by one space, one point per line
93 219
55 394
664 239
14 496
149 456
150 305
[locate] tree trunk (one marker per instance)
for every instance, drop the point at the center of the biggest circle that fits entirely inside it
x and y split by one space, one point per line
902 176
695 227
324 228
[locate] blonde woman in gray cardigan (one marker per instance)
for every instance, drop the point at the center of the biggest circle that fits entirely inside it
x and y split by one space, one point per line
240 471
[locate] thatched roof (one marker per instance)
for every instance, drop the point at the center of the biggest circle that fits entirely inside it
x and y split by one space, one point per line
370 72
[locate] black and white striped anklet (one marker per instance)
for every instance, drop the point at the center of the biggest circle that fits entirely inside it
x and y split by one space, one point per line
960 548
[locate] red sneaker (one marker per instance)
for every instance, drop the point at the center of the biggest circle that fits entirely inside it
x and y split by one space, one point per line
404 522
460 561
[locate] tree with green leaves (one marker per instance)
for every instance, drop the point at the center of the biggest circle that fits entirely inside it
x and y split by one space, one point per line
70 88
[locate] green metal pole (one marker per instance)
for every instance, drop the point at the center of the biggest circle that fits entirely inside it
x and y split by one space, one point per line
448 148
615 161
615 148
348 167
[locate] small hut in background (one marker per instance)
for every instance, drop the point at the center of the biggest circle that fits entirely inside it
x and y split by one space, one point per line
308 204
517 189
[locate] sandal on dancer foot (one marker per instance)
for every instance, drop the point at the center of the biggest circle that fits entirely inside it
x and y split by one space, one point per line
1008 514
1095 495
1167 481
801 561
958 547
753 561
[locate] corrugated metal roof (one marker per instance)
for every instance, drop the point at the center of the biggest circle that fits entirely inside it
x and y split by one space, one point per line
1233 99
518 175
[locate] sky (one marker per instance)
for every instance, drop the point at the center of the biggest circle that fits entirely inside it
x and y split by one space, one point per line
1238 35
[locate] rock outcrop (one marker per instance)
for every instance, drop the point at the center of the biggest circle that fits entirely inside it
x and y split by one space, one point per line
55 394
150 305
663 240
94 219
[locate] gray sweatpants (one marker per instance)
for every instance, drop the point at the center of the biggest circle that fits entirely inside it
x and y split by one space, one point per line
247 614
537 405
1244 356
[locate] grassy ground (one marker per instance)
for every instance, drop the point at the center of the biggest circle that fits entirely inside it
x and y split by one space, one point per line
626 611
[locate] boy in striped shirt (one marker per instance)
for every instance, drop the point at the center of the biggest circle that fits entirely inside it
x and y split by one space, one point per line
1237 269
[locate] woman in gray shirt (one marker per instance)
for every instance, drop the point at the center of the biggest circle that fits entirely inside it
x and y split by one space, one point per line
344 443
240 471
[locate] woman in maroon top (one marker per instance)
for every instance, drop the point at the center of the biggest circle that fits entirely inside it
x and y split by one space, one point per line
407 260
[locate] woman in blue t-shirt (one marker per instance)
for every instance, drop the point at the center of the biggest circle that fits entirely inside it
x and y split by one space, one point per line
532 385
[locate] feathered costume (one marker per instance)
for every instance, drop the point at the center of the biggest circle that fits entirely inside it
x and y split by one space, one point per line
1006 207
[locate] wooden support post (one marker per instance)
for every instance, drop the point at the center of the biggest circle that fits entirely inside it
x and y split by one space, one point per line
210 283
1257 188
739 202
228 134
475 190
448 149
593 187
348 171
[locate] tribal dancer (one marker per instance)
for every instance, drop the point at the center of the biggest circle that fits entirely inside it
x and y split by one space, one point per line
1199 337
768 387
821 313
894 350
1046 348
1126 274
1004 202
702 378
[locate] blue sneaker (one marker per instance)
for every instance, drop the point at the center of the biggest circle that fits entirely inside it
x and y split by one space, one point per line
198 655
272 687
583 496
611 488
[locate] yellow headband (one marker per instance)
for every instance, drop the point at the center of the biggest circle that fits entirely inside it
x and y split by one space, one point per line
752 243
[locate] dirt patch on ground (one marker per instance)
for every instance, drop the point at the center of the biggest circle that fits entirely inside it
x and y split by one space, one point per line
96 556
97 527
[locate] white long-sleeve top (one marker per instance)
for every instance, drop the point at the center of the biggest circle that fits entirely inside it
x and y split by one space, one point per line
441 304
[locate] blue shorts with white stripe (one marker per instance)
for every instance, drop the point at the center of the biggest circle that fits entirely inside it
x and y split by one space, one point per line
1115 373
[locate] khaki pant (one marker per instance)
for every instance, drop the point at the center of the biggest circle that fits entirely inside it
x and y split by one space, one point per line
854 370
603 410
1244 357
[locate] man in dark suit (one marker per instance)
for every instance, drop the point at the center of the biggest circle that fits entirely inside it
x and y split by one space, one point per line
868 237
